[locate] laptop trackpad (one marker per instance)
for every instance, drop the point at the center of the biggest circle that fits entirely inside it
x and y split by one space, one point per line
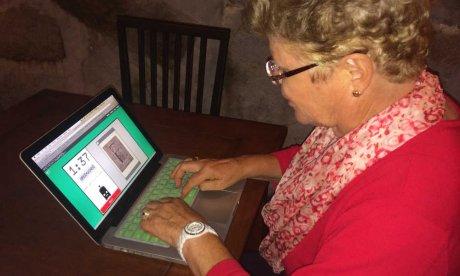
216 206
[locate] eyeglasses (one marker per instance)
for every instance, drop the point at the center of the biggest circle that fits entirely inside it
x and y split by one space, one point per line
276 75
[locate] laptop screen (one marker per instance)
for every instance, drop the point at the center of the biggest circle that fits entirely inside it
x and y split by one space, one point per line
95 160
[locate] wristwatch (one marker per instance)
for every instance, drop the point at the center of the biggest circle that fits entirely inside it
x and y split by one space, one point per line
192 230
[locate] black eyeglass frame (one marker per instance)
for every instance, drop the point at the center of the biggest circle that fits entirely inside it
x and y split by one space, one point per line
277 78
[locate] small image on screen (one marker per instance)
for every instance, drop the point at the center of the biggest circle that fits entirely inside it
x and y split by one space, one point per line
118 153
101 162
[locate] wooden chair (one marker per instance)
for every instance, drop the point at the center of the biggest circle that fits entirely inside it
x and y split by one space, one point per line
156 37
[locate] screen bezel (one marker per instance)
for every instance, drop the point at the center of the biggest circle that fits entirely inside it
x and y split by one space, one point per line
128 197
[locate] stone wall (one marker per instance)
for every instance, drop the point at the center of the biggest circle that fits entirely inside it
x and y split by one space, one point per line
71 45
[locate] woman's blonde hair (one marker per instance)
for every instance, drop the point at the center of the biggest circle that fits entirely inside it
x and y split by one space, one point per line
394 33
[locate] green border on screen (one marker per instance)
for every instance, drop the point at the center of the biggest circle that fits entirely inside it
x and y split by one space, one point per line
65 183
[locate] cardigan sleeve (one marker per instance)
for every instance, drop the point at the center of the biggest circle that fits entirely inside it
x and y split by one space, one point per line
402 233
384 243
227 267
285 156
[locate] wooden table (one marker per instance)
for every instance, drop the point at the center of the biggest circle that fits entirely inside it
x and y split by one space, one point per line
36 234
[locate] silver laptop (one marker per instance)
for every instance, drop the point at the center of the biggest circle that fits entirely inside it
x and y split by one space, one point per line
101 166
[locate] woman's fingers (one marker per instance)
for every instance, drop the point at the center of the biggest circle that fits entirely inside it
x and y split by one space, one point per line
166 218
197 179
178 166
183 168
208 174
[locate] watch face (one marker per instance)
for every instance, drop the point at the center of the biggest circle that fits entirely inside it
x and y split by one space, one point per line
194 228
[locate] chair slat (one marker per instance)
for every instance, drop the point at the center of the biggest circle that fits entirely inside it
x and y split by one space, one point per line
165 86
219 78
153 67
141 54
201 73
124 62
177 58
188 72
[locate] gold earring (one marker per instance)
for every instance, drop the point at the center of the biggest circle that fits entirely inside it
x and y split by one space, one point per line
356 93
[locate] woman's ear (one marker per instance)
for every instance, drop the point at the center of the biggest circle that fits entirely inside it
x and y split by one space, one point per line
360 69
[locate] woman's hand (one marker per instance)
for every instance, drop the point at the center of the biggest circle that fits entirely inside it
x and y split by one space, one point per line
209 174
167 217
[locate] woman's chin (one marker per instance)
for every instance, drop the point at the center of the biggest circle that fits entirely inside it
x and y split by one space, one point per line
303 120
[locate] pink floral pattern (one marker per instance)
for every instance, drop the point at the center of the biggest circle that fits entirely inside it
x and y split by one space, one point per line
325 164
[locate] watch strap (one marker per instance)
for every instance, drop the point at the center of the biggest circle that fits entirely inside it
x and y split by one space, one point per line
186 236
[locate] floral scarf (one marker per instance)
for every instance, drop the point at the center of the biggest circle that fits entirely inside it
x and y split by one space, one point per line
325 164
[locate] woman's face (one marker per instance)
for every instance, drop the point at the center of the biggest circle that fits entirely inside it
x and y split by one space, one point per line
317 103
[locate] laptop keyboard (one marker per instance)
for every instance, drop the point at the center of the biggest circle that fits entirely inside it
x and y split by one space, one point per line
162 186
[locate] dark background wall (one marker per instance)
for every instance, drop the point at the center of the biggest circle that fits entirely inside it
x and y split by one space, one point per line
71 45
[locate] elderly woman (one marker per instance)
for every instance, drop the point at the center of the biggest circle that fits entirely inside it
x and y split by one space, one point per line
375 188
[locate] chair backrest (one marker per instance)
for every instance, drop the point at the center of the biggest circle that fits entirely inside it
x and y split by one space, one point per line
160 51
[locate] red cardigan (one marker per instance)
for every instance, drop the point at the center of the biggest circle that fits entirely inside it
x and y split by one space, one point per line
399 217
